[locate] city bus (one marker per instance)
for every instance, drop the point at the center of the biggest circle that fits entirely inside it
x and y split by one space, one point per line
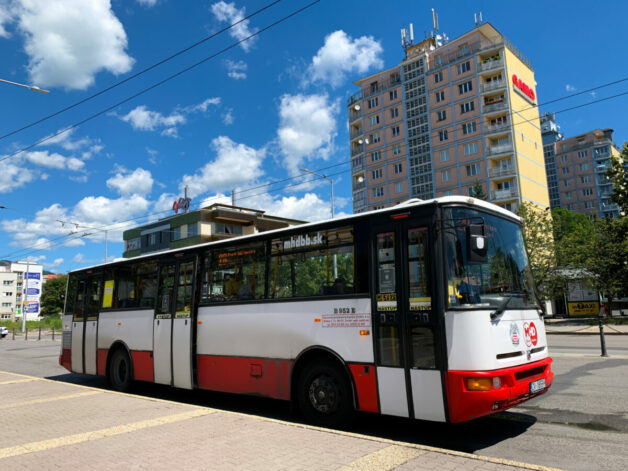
424 310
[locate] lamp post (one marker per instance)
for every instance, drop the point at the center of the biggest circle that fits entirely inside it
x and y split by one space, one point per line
331 180
34 88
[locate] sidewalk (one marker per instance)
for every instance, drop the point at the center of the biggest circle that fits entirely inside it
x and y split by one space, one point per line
50 425
581 327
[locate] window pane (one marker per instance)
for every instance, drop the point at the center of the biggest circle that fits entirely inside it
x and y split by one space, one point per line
125 292
166 292
94 297
71 294
423 348
79 307
184 289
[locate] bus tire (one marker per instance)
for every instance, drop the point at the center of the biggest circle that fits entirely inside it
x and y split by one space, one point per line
120 371
324 394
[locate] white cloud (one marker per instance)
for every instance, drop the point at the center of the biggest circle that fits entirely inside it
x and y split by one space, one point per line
227 117
227 12
146 120
69 42
53 160
341 55
570 88
153 155
307 128
235 165
237 70
54 264
147 3
78 258
5 17
13 176
202 107
138 182
170 132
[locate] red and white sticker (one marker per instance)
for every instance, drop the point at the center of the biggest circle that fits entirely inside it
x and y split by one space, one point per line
530 334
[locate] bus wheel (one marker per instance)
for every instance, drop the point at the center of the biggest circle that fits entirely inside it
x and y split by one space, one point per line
324 395
120 374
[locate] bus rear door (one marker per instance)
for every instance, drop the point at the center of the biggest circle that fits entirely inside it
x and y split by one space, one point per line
85 324
408 374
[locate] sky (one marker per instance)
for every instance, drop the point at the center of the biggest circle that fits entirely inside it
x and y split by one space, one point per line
247 115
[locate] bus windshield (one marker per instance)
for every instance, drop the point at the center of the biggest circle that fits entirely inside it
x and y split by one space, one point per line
503 279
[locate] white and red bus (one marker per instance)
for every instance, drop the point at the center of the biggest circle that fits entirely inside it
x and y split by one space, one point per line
423 310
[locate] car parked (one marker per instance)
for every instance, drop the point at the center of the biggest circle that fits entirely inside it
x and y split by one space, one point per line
3 331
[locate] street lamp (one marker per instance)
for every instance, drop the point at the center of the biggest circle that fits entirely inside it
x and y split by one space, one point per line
331 180
34 88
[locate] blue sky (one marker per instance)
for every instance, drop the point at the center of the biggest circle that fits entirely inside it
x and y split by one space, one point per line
248 117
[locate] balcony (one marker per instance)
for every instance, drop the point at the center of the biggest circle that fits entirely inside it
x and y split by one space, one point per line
500 172
497 128
492 85
358 164
502 195
354 115
491 65
493 107
500 149
356 133
355 150
357 186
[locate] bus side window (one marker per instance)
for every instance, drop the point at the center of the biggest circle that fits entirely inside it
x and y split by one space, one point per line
93 302
70 297
79 306
126 295
146 284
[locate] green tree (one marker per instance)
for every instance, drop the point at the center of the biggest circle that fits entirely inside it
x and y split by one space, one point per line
618 176
477 191
53 295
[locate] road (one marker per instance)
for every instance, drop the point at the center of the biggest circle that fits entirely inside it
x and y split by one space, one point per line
581 424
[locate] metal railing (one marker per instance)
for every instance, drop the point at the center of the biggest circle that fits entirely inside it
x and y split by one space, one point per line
500 149
359 149
498 195
501 172
382 86
359 186
356 133
353 115
492 85
491 64
492 128
502 105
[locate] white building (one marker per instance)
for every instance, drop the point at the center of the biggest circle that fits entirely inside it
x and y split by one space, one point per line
20 289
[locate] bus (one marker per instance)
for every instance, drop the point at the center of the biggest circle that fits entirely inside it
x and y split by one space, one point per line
424 310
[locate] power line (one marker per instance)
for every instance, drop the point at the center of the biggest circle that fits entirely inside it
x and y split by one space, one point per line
161 82
141 72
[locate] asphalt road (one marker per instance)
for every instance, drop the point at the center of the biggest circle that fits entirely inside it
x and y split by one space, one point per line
581 424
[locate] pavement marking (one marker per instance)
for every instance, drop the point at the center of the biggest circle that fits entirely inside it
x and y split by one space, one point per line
44 445
49 399
14 381
383 460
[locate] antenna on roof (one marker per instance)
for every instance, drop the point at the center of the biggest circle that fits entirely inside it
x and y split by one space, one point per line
435 19
477 17
407 38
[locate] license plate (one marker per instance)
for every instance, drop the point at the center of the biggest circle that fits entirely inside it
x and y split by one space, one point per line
536 386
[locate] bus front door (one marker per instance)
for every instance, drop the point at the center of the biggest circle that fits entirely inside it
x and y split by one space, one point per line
85 325
409 378
174 324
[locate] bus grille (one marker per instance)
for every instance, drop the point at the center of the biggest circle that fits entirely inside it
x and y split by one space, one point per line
529 373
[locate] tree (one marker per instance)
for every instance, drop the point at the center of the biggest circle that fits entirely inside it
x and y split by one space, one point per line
53 295
477 191
618 176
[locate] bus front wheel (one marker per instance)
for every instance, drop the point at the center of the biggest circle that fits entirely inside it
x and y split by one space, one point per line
324 395
120 374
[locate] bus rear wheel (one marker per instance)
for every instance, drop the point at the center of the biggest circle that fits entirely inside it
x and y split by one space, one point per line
324 395
120 374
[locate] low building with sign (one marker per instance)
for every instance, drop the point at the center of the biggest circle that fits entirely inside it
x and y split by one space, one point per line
20 290
215 222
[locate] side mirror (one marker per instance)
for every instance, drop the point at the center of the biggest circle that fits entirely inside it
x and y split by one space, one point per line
476 243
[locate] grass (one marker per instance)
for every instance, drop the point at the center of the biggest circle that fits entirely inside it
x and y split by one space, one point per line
50 322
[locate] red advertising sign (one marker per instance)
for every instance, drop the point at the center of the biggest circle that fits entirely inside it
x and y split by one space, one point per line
523 87
530 334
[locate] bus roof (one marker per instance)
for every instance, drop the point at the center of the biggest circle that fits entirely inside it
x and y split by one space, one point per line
411 203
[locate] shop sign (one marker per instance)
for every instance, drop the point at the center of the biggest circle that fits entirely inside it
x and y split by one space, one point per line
523 87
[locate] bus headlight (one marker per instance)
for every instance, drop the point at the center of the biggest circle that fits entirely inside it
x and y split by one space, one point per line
479 384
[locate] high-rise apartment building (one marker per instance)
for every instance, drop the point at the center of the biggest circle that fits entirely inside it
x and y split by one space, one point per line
21 287
453 116
577 170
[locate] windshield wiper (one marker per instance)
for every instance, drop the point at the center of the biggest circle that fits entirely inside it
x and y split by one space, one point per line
500 310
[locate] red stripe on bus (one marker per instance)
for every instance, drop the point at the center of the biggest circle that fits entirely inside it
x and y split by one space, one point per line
66 358
259 376
366 386
101 362
143 366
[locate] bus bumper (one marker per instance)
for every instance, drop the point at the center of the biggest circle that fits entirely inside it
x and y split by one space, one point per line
513 386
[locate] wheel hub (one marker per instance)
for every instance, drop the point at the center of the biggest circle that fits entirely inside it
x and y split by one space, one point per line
324 395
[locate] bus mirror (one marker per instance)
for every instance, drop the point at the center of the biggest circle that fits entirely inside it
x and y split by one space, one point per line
476 243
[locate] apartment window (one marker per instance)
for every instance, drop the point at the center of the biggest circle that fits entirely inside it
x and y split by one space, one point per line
468 128
446 175
568 194
392 94
193 229
584 167
8 293
563 147
440 96
567 182
444 155
601 150
464 67
587 192
377 174
563 158
375 156
589 204
441 115
397 149
394 112
443 135
473 170
572 206
466 107
398 168
465 87
7 304
398 187
582 154
373 120
585 179
565 170
470 148
7 282
395 131
377 192
373 102
375 138
374 87
438 77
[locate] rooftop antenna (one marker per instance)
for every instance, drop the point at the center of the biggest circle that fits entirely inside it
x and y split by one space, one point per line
407 38
477 17
435 19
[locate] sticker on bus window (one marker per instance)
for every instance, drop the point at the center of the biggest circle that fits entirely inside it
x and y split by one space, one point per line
386 301
107 298
420 304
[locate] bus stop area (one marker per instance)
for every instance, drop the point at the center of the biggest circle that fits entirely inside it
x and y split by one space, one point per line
48 424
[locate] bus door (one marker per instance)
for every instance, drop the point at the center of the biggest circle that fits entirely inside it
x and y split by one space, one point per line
175 315
90 337
78 326
409 381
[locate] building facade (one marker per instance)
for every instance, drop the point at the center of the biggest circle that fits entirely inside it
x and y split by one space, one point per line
215 222
15 279
452 118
